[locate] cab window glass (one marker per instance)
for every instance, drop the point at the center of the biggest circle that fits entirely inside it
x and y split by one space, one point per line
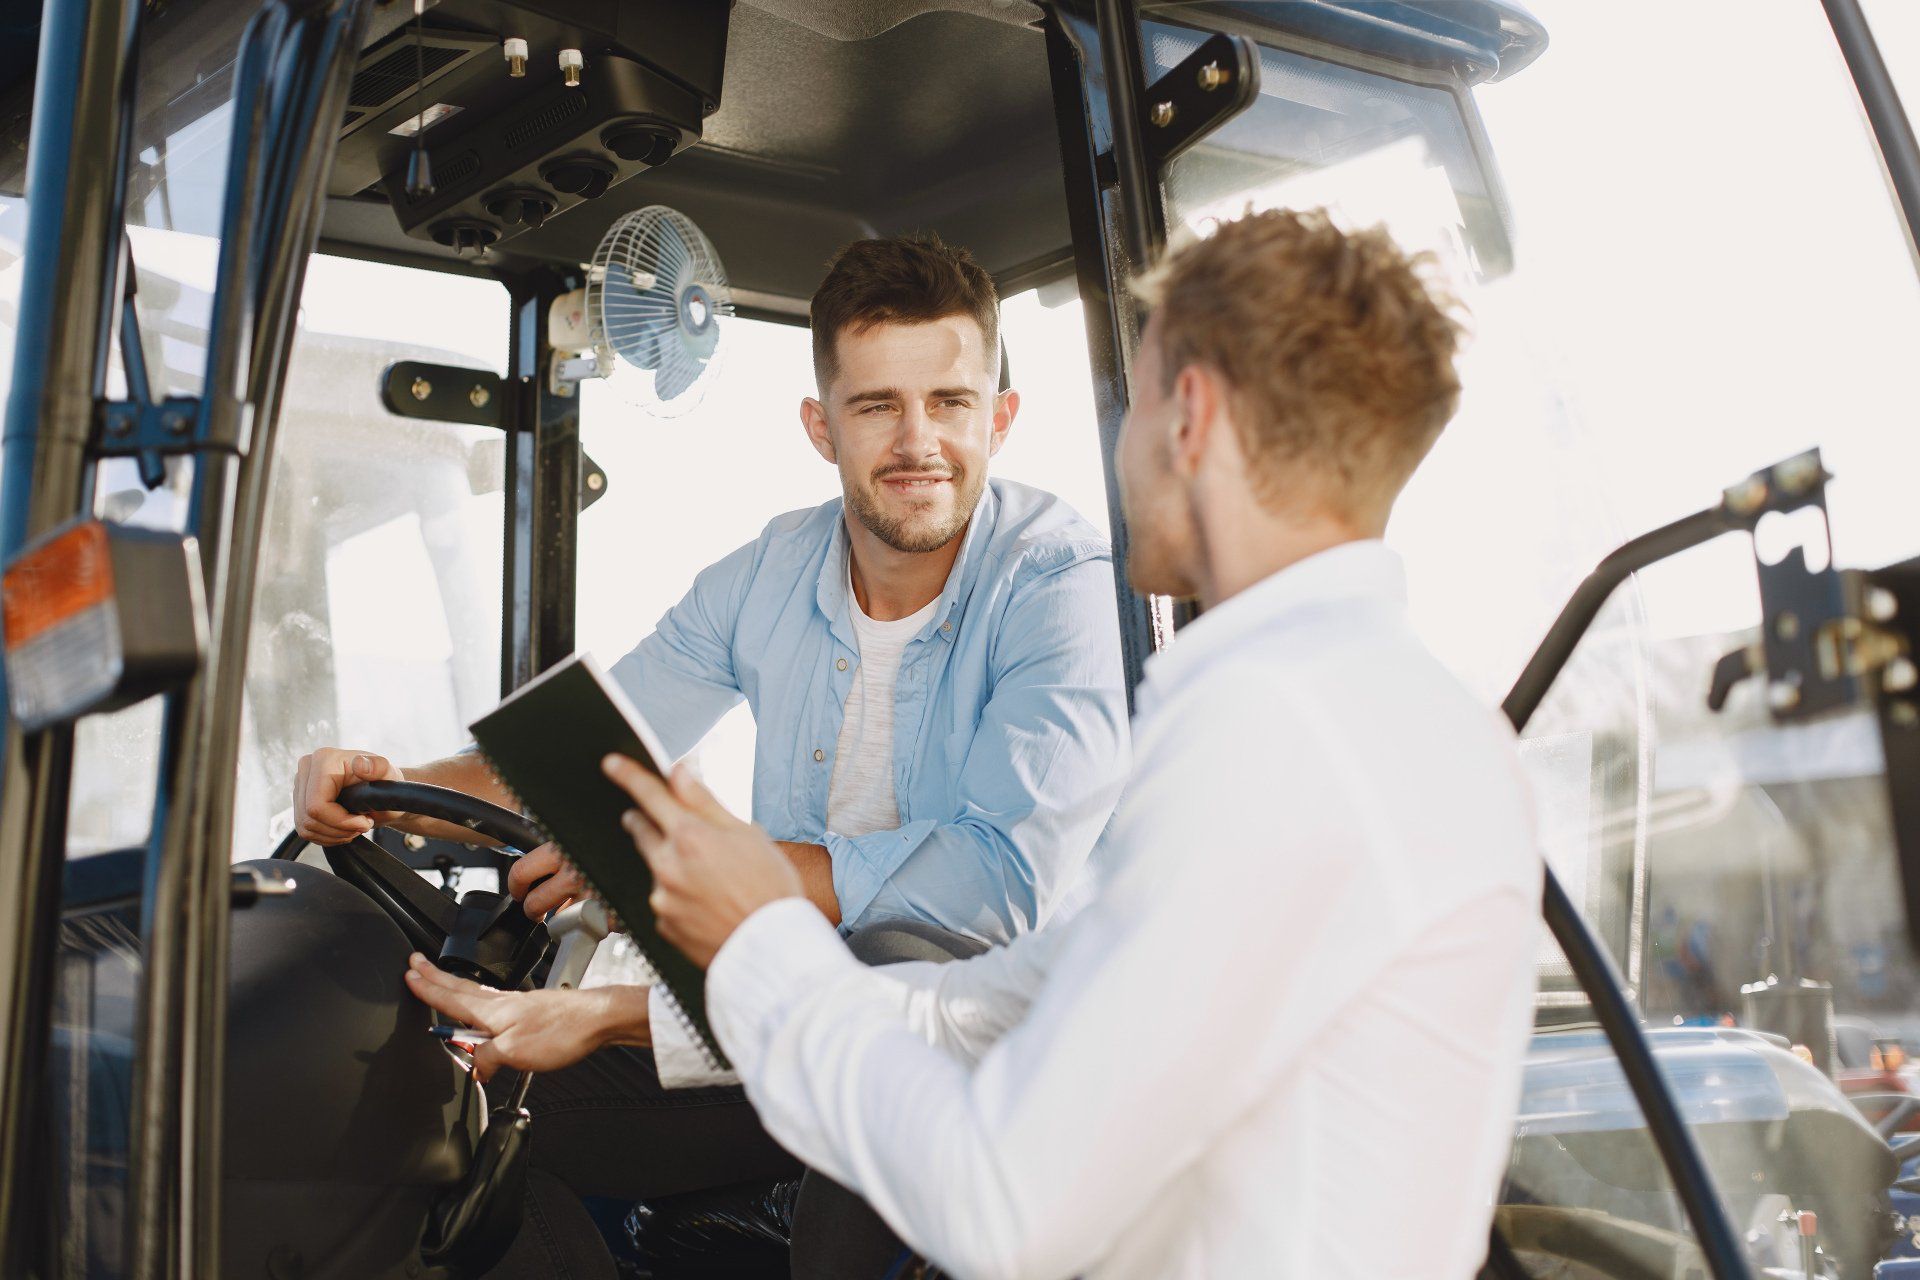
683 492
376 617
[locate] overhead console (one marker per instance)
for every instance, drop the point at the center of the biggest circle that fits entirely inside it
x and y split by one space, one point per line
529 110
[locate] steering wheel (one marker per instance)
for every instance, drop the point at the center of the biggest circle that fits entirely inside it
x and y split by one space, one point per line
483 935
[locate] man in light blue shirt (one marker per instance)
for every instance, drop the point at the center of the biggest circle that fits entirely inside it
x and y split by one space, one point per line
933 666
1008 712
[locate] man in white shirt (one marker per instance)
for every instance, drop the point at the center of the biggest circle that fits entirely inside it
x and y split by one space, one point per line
1304 989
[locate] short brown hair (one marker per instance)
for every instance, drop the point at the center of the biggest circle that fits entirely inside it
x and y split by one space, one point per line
910 279
1337 353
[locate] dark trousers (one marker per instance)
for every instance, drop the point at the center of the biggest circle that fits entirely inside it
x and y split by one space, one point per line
606 1127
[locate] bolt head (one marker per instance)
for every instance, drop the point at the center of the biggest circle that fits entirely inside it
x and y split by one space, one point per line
1904 714
479 397
174 421
1798 475
1882 605
1212 76
1747 497
1899 675
1783 695
421 388
1162 114
1787 625
119 424
596 482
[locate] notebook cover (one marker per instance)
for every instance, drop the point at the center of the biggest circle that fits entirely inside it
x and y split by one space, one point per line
545 743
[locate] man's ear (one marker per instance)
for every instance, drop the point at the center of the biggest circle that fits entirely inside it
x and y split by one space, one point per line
1197 393
1006 406
813 416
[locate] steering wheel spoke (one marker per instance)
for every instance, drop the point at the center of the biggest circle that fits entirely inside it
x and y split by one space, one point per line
483 935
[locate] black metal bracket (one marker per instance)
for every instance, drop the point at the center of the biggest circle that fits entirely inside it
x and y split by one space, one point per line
443 393
152 432
1804 619
1213 84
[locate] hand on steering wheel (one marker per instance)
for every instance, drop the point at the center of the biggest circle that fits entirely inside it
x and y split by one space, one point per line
544 883
318 780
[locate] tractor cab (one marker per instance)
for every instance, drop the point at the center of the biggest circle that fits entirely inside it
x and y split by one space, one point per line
362 360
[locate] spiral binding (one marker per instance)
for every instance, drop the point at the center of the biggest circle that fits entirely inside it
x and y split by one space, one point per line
614 923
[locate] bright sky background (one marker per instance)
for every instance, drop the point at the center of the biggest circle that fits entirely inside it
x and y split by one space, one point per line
1709 276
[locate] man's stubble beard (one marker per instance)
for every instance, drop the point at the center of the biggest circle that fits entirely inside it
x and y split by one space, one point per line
895 531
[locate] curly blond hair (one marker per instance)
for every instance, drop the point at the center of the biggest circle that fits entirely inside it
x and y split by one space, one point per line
1337 352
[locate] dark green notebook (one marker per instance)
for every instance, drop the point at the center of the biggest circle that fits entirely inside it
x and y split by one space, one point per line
545 743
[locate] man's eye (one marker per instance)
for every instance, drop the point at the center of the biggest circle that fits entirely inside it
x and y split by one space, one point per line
877 408
956 404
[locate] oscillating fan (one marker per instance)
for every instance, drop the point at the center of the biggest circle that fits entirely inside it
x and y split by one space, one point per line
653 315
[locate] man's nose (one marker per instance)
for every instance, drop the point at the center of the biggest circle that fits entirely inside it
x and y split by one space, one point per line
916 437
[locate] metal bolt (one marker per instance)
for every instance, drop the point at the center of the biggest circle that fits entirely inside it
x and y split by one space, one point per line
1899 675
1904 714
596 481
1882 605
120 424
479 396
415 843
1798 475
1161 115
1787 625
422 388
175 421
1212 76
571 61
515 50
1747 497
1783 695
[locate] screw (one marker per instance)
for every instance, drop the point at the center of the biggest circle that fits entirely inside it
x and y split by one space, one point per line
596 481
1903 714
1899 675
422 388
1212 76
174 421
571 62
1161 115
1882 604
119 424
1747 497
479 396
1787 625
1783 695
1797 475
515 50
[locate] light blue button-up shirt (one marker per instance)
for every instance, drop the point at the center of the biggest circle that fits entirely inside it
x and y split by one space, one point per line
1009 721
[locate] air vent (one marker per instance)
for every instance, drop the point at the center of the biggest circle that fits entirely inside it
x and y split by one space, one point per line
545 120
395 74
456 172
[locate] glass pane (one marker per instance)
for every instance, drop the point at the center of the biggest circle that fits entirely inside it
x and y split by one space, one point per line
1745 876
1586 1194
376 617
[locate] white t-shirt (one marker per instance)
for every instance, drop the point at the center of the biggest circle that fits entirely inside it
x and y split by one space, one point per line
860 797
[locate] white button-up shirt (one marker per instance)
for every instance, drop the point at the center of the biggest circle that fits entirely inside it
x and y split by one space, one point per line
1284 1039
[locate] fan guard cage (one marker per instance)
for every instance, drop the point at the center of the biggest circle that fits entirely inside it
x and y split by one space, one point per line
657 303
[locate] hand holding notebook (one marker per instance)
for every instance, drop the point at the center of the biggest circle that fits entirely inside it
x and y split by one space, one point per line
546 743
711 870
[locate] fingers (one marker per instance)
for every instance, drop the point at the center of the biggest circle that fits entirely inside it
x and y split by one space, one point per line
537 865
693 793
556 891
455 997
648 791
317 814
368 767
487 1059
652 843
